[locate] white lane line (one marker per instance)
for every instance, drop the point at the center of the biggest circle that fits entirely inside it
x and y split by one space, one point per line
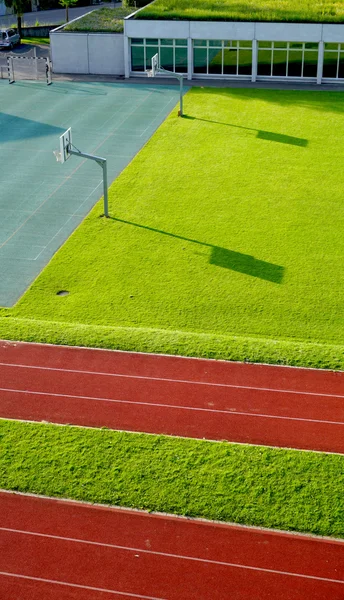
79 586
168 380
175 406
170 555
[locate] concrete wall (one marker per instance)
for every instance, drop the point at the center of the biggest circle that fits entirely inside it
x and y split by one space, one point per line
217 30
3 8
87 53
39 31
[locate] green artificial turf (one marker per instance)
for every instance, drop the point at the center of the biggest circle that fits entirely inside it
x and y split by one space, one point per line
225 239
318 11
283 489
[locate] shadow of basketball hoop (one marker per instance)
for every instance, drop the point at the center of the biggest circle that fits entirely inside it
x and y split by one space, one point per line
226 259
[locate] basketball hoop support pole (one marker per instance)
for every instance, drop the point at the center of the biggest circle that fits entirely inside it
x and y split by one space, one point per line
102 162
181 80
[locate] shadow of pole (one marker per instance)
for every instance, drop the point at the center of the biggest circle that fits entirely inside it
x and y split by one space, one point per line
226 259
270 136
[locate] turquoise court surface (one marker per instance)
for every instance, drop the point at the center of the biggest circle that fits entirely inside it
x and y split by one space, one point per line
42 201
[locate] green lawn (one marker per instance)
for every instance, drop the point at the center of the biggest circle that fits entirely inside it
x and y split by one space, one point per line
323 11
284 489
36 40
225 239
103 19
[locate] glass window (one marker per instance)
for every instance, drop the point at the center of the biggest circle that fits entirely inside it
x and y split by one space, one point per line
264 62
295 63
231 44
331 47
311 46
330 64
166 42
279 66
181 60
200 60
138 58
137 41
245 62
296 45
150 51
181 42
215 61
245 44
215 43
230 60
280 45
166 58
310 64
341 66
265 44
152 42
200 42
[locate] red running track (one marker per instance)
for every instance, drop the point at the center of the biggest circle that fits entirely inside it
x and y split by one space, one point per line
257 404
61 550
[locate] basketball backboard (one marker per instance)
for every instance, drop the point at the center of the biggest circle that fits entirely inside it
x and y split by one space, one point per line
65 145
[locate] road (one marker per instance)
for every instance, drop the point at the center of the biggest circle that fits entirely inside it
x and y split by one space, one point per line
52 17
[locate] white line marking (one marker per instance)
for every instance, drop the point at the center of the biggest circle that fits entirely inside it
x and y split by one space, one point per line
175 406
81 587
144 377
170 555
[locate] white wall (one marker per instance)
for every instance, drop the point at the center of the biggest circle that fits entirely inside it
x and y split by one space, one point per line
2 8
87 53
106 53
207 30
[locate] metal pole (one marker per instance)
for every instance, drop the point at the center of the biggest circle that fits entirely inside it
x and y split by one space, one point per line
180 77
181 96
102 162
36 61
105 186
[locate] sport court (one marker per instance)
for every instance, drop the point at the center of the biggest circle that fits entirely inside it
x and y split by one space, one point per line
42 201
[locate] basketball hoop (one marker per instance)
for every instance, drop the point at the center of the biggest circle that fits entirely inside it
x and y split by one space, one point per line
58 155
157 69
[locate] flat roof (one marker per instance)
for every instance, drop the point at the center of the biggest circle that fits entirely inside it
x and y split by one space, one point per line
289 11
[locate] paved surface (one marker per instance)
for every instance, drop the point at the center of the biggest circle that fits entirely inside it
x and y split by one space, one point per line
41 201
52 17
59 550
25 69
258 404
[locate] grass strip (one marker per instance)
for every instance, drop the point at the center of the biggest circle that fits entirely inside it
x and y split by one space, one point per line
164 341
104 20
43 41
253 485
317 11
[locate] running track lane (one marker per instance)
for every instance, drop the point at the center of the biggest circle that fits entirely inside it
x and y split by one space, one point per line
257 404
61 550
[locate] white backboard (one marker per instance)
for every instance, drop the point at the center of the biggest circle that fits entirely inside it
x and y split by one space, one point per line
65 143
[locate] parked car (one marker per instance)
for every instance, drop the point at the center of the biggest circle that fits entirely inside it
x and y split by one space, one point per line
9 38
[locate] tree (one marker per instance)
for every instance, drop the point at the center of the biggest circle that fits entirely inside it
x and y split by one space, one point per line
67 4
18 7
